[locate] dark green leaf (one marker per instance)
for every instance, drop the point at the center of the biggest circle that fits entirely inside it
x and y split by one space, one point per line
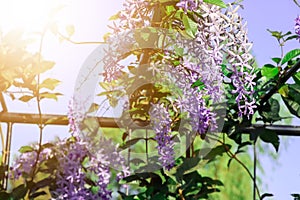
266 195
293 106
216 2
130 143
217 151
276 60
291 37
19 192
290 55
5 196
187 164
37 194
269 136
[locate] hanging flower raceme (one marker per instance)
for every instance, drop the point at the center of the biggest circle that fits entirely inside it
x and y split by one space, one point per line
161 122
297 27
209 47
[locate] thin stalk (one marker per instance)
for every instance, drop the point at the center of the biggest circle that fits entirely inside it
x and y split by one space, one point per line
233 156
75 42
38 98
147 150
254 170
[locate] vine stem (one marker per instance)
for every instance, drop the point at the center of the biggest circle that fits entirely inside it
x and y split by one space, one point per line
233 156
281 81
75 42
38 98
254 170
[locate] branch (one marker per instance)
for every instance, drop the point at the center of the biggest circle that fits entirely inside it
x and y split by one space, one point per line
74 42
297 3
281 81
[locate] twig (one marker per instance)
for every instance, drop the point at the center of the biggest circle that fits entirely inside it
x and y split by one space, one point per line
281 81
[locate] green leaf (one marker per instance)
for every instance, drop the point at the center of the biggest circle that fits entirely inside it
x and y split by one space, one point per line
49 83
45 66
187 165
276 60
25 149
276 34
293 106
266 195
296 78
217 3
225 71
190 25
19 192
5 195
26 98
37 194
284 91
70 30
115 16
217 151
291 37
269 136
290 55
199 84
130 143
269 71
49 95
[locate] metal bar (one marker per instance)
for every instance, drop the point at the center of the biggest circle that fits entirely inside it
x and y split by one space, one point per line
7 153
50 119
3 104
284 130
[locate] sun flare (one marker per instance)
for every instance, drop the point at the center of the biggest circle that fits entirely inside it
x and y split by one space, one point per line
29 14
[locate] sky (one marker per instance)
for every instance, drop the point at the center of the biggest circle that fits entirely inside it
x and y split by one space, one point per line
90 19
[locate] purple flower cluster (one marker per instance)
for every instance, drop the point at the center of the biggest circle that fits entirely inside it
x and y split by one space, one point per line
223 35
161 122
297 27
191 100
188 5
75 164
76 115
24 164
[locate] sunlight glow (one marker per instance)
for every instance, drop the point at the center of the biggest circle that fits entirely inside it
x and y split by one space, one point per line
31 15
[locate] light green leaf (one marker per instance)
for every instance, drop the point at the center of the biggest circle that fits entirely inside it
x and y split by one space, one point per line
290 55
269 71
25 149
114 17
70 30
190 25
26 98
216 2
296 78
49 95
49 83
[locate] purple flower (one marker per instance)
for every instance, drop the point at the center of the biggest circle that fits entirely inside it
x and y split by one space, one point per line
161 121
76 115
188 5
297 27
